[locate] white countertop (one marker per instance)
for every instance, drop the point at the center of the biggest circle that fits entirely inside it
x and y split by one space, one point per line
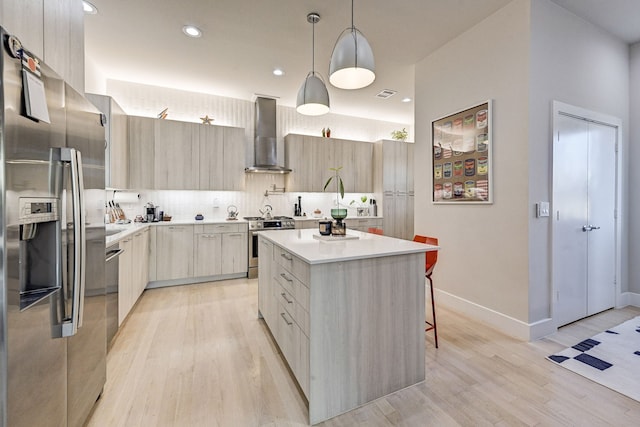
301 243
124 230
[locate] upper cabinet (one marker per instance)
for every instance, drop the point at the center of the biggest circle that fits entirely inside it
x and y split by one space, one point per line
51 30
117 139
393 167
173 155
310 158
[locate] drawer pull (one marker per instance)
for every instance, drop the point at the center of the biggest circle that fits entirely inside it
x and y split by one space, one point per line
284 276
285 319
285 256
285 298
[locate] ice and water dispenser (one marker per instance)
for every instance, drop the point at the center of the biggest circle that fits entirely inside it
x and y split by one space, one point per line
40 249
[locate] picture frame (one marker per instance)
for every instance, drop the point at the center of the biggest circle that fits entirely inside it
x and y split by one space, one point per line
461 146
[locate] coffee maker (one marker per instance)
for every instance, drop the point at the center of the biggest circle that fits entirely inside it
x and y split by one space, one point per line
150 212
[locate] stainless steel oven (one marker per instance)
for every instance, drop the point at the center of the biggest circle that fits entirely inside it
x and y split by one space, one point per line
260 224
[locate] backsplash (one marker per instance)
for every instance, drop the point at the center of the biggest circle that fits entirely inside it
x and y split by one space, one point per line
184 205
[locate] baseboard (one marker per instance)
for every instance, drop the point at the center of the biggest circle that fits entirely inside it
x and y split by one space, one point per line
192 280
629 298
506 324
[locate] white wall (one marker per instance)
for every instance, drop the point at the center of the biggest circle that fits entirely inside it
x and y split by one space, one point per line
484 256
495 262
579 64
634 173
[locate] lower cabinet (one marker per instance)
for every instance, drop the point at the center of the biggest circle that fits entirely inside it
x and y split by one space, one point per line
284 304
133 274
174 252
186 252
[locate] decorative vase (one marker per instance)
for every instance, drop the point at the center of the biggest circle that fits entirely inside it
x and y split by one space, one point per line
339 228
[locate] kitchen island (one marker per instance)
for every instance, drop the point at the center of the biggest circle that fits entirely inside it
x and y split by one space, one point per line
347 315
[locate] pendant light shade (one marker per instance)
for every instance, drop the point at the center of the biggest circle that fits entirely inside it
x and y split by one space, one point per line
313 97
352 64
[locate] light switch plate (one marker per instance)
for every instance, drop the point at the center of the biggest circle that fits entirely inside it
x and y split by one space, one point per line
542 209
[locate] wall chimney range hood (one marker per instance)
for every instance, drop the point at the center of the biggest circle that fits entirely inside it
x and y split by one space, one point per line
265 143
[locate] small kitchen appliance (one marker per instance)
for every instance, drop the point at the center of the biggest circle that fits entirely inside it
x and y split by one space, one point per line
150 212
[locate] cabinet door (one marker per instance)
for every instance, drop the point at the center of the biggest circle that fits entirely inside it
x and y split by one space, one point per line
234 164
64 40
174 249
267 304
400 218
345 157
125 282
211 145
389 213
137 268
235 253
388 166
144 258
119 147
141 152
176 155
400 168
409 215
363 167
208 254
309 158
410 168
24 18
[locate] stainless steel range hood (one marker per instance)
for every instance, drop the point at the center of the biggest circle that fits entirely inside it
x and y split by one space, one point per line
265 143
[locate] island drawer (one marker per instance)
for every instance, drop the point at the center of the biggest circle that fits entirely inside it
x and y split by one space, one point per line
294 309
293 264
294 346
293 285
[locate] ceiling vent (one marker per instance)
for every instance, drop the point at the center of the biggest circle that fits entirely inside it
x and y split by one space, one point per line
387 93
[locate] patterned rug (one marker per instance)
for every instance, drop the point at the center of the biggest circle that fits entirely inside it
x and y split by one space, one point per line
611 358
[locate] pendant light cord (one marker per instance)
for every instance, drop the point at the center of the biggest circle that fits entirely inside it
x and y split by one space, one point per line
313 48
352 26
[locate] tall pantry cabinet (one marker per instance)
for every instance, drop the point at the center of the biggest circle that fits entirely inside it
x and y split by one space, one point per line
393 177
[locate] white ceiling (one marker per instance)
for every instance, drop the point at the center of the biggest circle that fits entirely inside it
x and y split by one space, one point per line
244 40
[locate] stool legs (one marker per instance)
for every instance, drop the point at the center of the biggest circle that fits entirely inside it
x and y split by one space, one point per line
433 313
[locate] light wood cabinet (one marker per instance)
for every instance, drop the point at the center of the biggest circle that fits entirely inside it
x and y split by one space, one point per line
208 253
117 138
220 249
234 154
211 159
141 152
173 155
234 253
393 177
125 279
310 159
51 30
363 224
267 303
174 252
176 146
133 273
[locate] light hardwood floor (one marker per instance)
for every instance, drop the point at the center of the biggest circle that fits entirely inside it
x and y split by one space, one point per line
197 355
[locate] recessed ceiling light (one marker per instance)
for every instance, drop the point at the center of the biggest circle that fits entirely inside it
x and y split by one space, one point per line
278 72
191 31
89 8
407 99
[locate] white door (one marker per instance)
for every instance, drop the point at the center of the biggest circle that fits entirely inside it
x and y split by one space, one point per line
584 191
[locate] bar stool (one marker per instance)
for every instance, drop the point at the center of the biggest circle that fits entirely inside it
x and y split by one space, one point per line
375 230
430 263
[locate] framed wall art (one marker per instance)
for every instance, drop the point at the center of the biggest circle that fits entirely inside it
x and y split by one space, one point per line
461 153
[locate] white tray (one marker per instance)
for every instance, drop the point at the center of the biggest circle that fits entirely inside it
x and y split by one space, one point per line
335 238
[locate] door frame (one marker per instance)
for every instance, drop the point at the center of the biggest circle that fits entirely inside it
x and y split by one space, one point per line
560 108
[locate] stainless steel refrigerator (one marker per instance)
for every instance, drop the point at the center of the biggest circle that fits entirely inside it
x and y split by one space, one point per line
52 246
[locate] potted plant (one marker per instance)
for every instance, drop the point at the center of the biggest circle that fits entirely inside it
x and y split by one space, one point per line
400 135
337 213
363 209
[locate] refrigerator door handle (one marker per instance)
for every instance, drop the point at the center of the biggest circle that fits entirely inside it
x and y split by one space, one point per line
74 158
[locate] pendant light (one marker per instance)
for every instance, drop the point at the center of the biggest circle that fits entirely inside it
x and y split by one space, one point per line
313 97
352 65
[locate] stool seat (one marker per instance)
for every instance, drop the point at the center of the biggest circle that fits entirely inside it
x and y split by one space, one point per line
430 262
